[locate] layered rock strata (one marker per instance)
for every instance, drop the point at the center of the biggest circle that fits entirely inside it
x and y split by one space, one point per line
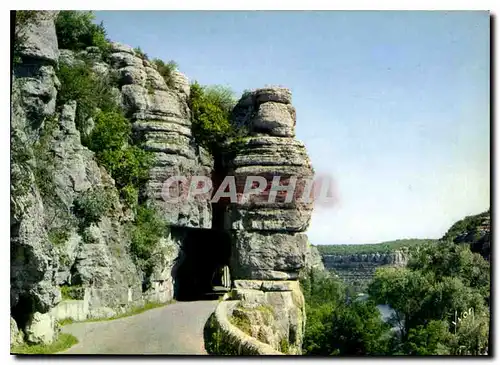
358 269
269 246
269 243
161 120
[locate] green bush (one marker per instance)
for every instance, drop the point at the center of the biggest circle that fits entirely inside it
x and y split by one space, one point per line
148 228
166 70
63 342
76 31
211 108
336 326
90 205
74 292
440 280
90 91
111 131
58 235
128 165
140 53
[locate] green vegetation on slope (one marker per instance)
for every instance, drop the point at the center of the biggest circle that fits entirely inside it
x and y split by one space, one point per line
148 228
211 108
383 247
441 279
441 304
63 342
336 325
473 230
128 164
106 131
76 31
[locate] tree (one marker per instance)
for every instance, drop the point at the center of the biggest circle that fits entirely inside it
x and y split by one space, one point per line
357 329
431 339
76 31
336 327
404 291
211 107
440 280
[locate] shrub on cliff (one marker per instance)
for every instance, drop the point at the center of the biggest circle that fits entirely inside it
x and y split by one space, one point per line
165 70
90 91
140 53
92 204
145 233
127 164
211 107
76 31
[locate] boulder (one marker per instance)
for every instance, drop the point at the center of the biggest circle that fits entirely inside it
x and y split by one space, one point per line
267 256
41 329
39 38
16 336
276 119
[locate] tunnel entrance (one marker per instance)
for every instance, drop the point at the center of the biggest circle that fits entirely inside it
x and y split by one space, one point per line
203 268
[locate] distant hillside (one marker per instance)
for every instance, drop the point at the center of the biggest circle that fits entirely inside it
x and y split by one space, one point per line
474 230
383 247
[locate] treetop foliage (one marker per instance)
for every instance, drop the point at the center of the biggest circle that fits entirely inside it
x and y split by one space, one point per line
76 31
211 108
383 247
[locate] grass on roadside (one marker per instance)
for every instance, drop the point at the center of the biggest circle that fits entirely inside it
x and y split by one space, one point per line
133 311
63 342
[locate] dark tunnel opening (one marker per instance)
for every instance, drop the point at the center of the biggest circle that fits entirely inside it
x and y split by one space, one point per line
200 271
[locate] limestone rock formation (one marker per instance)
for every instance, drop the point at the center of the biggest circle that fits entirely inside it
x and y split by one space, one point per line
50 247
16 336
314 261
358 269
33 99
50 170
268 243
161 119
275 311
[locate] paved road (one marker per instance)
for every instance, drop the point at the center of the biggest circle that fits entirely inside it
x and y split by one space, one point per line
174 329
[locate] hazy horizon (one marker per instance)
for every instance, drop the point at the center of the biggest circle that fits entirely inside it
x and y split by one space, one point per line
393 105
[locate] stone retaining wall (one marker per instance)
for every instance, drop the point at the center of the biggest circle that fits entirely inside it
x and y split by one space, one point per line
234 340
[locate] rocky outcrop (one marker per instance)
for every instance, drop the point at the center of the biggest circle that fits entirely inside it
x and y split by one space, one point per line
50 249
358 269
16 336
274 312
54 251
313 260
473 230
268 239
269 246
161 120
32 256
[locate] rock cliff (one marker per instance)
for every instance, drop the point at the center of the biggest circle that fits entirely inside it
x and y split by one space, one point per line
358 269
268 241
56 253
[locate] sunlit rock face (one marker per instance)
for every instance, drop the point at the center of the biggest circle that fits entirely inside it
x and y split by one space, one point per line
358 269
269 242
162 121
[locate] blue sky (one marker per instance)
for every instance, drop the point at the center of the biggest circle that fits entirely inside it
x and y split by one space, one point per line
393 105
